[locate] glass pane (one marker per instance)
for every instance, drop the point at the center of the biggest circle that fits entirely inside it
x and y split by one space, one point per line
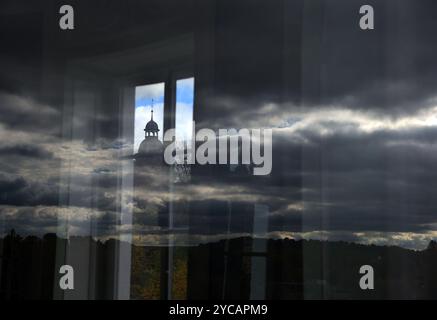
349 99
184 109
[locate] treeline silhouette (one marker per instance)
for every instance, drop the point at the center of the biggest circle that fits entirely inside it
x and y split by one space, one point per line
291 269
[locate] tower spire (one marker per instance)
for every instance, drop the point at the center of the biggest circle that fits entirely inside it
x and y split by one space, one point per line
151 128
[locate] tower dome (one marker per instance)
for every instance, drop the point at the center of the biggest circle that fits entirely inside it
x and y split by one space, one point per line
149 147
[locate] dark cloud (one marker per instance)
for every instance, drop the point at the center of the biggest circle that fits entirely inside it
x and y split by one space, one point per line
29 151
389 71
328 175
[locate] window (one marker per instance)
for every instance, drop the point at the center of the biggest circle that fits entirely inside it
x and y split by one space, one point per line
184 109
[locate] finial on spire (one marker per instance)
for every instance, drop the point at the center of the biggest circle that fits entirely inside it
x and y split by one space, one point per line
152 109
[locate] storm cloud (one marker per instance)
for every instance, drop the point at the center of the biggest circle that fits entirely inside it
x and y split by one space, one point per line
353 113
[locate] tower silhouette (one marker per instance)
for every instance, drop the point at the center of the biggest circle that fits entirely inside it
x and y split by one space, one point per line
151 146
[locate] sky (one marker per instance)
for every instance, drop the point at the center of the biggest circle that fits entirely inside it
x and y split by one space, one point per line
354 143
